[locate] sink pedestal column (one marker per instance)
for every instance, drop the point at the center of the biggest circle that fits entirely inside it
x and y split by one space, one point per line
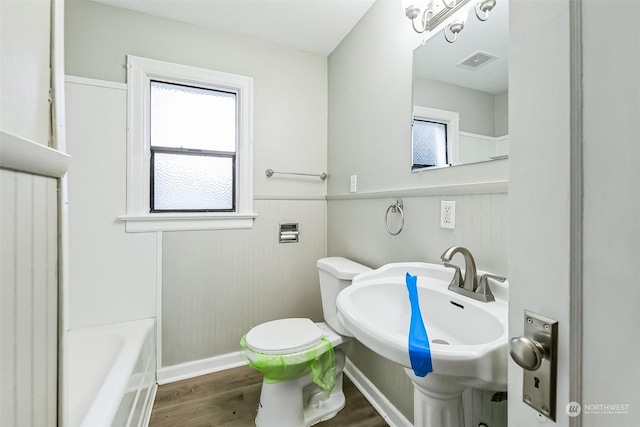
437 401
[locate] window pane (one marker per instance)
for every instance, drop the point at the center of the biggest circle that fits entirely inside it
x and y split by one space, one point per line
190 182
190 117
429 144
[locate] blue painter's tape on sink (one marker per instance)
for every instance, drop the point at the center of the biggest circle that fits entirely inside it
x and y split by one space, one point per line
419 350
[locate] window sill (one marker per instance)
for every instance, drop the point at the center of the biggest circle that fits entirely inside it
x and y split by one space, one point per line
186 222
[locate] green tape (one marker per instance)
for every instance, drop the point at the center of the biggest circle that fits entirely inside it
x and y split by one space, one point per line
319 360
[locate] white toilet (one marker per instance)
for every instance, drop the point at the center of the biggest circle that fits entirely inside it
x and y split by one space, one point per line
286 348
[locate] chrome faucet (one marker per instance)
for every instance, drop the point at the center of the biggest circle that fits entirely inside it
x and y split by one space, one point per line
470 286
470 282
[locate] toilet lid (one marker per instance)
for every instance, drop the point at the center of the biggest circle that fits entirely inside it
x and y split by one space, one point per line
284 336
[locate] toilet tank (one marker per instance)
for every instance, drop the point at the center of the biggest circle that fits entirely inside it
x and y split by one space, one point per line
336 274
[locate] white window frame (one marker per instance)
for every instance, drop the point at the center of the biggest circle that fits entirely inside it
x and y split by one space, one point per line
449 118
140 72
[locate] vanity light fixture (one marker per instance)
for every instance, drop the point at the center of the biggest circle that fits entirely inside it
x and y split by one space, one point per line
432 14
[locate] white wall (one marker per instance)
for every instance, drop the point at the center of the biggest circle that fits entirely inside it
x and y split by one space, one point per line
112 274
213 286
370 102
28 221
24 72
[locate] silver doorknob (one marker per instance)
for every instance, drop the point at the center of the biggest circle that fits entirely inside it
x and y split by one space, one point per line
527 353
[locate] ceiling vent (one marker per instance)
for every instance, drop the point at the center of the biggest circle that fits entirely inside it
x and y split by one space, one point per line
476 60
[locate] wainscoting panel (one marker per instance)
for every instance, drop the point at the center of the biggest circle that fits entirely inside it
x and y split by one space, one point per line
356 230
28 299
218 284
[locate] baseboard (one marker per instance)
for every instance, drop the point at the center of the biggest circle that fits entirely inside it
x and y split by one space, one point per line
183 371
385 408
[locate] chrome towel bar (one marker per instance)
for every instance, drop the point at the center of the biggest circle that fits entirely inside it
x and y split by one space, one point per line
270 172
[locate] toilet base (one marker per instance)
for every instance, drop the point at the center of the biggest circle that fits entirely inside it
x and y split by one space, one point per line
299 402
325 408
284 404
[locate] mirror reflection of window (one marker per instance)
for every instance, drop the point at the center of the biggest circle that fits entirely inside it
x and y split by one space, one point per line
434 138
429 144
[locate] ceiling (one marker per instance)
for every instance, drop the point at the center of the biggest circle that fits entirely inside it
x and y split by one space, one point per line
316 26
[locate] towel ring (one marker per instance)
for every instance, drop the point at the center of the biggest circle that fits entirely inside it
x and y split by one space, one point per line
395 207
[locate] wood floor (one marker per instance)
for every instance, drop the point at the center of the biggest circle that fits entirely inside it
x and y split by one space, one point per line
230 399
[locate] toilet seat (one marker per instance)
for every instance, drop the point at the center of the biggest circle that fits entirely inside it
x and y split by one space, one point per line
284 336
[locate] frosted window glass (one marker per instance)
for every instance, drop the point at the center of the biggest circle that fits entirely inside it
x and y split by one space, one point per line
188 182
429 144
190 117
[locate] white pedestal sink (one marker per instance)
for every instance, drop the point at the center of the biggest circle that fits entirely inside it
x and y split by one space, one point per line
468 338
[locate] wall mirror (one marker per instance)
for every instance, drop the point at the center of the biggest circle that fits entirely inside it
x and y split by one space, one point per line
460 95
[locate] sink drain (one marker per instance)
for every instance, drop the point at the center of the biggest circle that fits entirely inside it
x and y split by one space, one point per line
440 342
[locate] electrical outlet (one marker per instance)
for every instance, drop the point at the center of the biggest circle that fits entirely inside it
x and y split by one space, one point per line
448 214
354 182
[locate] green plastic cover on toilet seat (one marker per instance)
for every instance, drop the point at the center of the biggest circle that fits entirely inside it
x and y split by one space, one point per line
320 360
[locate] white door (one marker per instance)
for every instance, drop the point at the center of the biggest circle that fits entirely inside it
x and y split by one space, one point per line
574 108
539 186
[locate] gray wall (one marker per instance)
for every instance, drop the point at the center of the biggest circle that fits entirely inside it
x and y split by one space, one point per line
290 86
480 112
370 101
502 114
481 226
219 284
214 285
356 231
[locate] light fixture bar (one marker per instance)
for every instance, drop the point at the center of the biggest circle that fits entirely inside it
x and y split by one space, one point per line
444 14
